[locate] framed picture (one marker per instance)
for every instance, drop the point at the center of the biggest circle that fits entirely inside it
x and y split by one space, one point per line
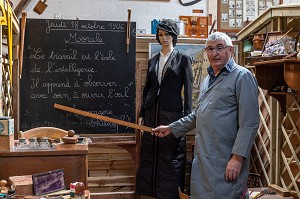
199 58
199 62
233 14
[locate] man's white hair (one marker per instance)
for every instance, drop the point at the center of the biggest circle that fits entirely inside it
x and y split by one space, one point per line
219 36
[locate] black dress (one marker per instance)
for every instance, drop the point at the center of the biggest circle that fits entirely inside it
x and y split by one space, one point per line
162 160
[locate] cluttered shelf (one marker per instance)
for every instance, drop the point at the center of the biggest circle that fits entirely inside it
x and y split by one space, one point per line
279 77
278 72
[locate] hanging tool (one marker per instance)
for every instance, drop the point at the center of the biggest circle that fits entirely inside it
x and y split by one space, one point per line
40 7
21 6
128 30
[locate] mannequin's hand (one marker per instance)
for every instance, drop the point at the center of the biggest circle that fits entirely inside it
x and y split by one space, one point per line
141 121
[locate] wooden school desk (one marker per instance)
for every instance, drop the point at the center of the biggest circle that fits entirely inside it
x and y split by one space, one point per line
72 158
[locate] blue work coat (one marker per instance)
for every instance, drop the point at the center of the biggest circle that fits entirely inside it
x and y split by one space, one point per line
226 123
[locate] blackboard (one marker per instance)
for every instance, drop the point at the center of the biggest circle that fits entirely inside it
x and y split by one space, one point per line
82 64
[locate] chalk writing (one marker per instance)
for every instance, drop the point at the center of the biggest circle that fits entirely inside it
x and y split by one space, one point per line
76 38
113 93
117 26
92 26
71 55
72 68
37 54
35 69
81 64
54 24
51 85
103 57
92 83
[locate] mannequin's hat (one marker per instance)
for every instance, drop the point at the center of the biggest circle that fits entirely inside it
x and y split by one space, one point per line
168 25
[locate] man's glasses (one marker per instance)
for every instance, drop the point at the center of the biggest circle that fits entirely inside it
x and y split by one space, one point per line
218 48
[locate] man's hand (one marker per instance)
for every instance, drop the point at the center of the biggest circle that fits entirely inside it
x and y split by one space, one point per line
161 131
233 167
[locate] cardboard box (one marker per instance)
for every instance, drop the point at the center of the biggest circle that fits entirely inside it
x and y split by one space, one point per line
22 184
7 142
6 126
6 133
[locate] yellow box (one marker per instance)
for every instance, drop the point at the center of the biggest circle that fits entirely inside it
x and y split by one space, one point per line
6 126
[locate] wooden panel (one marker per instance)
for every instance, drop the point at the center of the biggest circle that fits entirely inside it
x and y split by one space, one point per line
111 167
75 166
118 195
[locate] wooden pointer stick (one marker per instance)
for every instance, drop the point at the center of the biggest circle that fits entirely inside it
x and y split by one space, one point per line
128 30
23 25
104 118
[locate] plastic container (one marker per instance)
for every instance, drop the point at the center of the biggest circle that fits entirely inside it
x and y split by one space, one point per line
181 26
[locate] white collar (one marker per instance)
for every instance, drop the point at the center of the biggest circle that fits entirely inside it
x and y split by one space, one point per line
169 53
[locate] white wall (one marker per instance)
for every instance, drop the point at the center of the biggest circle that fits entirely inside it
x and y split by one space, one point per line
142 11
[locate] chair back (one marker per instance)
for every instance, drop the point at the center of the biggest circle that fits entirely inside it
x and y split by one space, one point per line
182 195
39 132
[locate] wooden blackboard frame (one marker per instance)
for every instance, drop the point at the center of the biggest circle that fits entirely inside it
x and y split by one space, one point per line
120 47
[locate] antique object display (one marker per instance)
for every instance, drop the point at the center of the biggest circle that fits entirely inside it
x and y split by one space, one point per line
258 41
195 26
278 44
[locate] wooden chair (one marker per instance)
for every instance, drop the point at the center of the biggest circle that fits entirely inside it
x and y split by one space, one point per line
182 195
39 132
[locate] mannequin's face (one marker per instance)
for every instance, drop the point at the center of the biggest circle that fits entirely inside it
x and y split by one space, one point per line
165 38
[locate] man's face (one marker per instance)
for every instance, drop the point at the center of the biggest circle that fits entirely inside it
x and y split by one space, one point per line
218 53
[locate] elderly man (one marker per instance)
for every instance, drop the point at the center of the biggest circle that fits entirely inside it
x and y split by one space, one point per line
226 121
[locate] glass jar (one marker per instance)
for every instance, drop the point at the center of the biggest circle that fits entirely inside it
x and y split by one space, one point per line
33 143
44 143
22 144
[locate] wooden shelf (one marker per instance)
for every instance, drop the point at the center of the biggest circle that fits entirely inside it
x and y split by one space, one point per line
268 17
282 93
279 72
